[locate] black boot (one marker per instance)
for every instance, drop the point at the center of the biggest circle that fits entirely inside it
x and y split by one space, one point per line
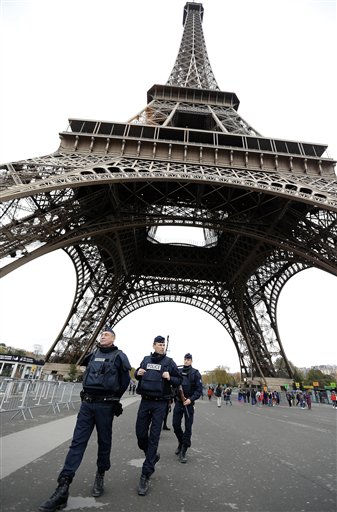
182 455
59 498
143 485
178 450
98 487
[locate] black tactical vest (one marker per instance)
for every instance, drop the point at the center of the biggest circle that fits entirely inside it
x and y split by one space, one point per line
101 374
152 382
188 383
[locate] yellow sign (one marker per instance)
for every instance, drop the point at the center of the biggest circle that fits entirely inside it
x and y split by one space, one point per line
297 384
316 384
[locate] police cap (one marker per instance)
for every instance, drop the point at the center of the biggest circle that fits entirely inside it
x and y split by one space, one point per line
108 329
159 339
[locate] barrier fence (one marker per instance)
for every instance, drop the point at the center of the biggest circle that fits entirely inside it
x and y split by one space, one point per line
21 396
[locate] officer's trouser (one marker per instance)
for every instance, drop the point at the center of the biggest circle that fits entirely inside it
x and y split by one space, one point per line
151 414
179 412
99 414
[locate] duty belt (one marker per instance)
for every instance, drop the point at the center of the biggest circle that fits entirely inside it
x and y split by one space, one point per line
156 398
98 398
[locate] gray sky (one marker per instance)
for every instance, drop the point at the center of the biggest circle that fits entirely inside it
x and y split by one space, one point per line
96 60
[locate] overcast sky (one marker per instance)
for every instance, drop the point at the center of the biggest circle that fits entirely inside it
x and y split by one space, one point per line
96 60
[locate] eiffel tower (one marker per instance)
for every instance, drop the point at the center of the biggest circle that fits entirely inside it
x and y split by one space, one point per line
267 208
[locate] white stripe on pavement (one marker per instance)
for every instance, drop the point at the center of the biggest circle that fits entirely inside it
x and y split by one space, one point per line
23 447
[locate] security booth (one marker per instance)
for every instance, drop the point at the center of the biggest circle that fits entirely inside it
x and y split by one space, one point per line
20 367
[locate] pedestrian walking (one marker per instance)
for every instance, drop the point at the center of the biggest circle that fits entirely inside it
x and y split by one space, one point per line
307 396
218 394
105 381
157 375
333 397
184 406
259 398
227 395
289 398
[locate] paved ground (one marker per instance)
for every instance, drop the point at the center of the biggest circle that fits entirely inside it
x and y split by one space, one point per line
244 458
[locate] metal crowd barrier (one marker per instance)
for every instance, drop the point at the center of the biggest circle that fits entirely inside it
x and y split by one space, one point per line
20 396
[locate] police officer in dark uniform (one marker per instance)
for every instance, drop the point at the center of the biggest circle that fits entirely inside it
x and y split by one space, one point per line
184 406
157 375
105 380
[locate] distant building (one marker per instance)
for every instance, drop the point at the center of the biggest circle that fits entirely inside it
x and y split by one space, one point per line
327 369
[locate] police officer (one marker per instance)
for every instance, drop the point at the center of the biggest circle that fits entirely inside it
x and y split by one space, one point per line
184 406
156 375
105 380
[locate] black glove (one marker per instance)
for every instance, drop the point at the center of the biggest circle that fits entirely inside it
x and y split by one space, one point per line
118 408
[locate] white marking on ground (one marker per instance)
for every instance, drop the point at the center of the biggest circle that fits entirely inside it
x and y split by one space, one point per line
136 462
78 502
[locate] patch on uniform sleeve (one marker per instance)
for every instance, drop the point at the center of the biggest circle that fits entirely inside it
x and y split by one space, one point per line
151 366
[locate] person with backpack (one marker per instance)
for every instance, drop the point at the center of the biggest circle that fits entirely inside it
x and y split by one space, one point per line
157 375
227 395
105 380
191 390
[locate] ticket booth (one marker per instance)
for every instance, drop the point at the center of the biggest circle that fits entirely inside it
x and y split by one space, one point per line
20 367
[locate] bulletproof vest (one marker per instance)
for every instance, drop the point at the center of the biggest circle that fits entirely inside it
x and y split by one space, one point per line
188 381
152 382
101 373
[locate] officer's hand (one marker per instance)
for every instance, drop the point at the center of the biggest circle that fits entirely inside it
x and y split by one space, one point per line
166 375
118 408
141 371
187 401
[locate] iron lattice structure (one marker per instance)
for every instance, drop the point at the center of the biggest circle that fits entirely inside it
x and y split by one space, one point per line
267 207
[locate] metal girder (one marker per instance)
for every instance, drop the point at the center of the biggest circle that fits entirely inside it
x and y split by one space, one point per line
192 67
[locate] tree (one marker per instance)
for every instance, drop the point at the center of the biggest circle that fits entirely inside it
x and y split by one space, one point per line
72 371
298 376
218 376
315 375
281 368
